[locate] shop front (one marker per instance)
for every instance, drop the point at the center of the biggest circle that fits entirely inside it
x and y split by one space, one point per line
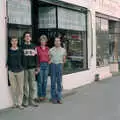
68 21
107 36
89 34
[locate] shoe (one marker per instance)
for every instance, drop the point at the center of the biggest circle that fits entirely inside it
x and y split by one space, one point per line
59 102
14 106
25 105
54 101
34 104
37 100
43 99
20 107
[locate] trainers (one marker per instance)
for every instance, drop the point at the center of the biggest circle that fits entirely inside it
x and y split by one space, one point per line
25 105
20 107
14 106
43 99
34 104
37 100
59 102
54 101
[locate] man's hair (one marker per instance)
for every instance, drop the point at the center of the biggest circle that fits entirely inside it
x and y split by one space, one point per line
13 37
57 38
26 33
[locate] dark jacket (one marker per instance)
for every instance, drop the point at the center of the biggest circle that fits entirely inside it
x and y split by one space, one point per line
30 59
14 61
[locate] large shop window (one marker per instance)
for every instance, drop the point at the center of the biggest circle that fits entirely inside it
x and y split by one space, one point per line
102 36
71 25
114 35
19 18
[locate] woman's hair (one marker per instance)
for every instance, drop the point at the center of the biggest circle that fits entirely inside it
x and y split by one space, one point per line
43 38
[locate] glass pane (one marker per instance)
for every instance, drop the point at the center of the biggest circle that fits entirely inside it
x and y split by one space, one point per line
72 20
104 25
47 17
102 42
98 24
19 12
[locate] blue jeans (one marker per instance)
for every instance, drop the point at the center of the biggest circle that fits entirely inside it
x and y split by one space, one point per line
56 81
42 79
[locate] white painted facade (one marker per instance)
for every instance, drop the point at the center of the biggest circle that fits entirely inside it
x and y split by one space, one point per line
72 80
5 99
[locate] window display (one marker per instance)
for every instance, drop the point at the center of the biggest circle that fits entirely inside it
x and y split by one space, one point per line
75 44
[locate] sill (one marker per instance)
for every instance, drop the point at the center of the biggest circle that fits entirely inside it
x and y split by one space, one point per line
67 73
102 66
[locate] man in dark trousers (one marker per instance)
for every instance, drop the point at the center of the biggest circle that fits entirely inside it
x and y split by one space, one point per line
57 59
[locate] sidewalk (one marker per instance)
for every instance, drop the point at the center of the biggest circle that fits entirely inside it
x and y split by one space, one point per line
96 101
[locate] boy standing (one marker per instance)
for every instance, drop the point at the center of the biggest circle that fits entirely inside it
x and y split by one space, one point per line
16 73
58 57
30 64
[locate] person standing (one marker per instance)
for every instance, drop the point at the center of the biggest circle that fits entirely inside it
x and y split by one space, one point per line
57 59
30 64
43 64
16 73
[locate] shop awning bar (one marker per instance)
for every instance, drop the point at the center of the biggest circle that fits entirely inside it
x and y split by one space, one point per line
107 17
65 4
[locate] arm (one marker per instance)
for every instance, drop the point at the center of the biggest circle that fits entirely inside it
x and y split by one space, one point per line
8 59
64 59
37 61
7 62
49 56
37 57
22 56
64 56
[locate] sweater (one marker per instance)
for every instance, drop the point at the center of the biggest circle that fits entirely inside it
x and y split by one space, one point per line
14 61
30 59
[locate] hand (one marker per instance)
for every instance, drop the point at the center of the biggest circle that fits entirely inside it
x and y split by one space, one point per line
6 66
49 62
38 69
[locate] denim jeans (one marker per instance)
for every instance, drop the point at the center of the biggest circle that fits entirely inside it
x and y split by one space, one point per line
56 81
42 79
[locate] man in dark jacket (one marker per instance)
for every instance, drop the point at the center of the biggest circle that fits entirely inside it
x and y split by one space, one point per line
16 73
29 64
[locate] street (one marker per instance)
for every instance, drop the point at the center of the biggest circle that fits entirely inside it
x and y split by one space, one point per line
97 101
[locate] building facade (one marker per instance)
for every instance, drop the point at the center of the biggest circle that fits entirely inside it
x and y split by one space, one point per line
89 30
